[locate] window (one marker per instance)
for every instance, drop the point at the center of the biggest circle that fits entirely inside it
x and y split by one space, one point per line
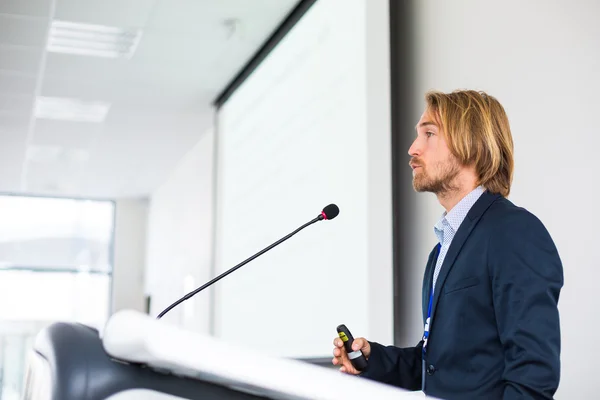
55 265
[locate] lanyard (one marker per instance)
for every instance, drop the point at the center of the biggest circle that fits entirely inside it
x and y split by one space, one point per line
427 323
428 320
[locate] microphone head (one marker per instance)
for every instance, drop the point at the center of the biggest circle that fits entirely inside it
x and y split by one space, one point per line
330 212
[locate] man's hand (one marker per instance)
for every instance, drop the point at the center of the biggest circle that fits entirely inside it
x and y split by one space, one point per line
340 357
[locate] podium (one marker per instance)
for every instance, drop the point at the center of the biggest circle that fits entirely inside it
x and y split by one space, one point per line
139 357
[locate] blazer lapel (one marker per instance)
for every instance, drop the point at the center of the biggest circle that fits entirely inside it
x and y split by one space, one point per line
480 206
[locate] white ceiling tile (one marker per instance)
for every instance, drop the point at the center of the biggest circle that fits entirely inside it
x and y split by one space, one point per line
21 59
36 8
57 155
16 83
120 13
70 66
66 133
100 89
54 177
12 152
22 31
123 91
182 15
14 124
13 139
154 69
155 133
20 104
169 47
193 16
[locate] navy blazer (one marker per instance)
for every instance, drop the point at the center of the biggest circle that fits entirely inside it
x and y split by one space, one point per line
495 331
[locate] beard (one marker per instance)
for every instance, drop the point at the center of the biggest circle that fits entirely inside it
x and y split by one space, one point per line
439 179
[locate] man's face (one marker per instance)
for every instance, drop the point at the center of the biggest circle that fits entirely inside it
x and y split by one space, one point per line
434 168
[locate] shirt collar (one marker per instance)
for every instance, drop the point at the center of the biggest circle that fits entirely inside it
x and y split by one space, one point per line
458 213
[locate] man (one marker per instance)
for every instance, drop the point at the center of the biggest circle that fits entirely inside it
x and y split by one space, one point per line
491 284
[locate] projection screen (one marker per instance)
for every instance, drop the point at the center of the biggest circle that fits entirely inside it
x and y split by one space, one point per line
291 140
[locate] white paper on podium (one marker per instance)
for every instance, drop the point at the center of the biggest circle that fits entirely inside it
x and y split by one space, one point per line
136 337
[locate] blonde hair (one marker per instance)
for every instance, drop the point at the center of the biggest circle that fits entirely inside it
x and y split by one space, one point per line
477 131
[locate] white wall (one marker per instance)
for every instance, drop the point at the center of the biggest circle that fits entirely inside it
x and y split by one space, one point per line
180 226
129 254
541 60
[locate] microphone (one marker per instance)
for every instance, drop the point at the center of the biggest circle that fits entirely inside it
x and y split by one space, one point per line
328 213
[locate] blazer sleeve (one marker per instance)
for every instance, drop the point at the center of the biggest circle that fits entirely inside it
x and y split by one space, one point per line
401 367
527 277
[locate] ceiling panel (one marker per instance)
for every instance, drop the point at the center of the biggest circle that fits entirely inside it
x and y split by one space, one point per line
160 99
12 152
36 8
22 59
11 138
66 133
101 89
20 104
115 89
120 13
192 16
166 47
71 66
23 31
17 83
124 108
14 124
160 67
61 176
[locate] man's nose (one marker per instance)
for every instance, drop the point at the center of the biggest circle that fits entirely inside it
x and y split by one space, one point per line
415 148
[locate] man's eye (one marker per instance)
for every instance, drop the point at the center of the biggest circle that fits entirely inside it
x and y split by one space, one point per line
429 134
